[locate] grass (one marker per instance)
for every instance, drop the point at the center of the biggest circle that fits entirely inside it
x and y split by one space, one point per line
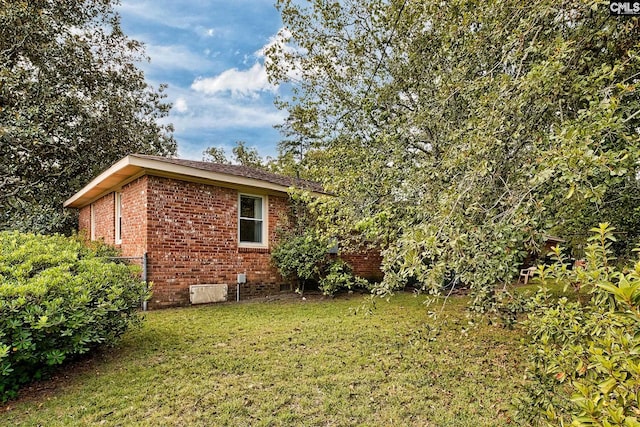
305 363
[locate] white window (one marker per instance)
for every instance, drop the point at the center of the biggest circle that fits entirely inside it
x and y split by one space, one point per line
252 224
118 217
92 224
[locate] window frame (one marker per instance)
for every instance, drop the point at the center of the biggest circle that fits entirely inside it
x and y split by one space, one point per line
265 221
118 218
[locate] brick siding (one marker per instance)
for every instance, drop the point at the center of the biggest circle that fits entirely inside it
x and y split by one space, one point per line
104 210
133 231
190 233
365 263
84 221
192 238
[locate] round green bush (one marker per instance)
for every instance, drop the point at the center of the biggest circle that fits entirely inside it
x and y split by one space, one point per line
58 299
339 275
305 258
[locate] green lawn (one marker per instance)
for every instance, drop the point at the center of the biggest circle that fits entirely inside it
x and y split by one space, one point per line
290 362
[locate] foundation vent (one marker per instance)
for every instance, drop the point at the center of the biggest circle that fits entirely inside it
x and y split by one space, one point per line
202 294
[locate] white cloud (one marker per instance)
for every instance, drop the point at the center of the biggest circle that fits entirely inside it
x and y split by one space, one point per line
280 39
238 82
251 81
222 113
207 38
181 105
279 45
165 13
176 57
221 119
172 15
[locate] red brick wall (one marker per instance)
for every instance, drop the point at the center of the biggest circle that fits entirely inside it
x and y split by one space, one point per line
365 263
105 214
134 218
190 233
84 221
105 219
192 238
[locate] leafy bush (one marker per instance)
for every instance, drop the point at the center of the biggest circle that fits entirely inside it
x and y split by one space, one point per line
58 299
584 358
339 275
300 257
304 258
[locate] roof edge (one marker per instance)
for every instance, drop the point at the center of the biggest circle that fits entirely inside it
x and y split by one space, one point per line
134 164
119 165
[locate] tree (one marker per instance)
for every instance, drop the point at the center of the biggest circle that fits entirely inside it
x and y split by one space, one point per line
242 155
582 352
72 102
215 155
247 156
463 131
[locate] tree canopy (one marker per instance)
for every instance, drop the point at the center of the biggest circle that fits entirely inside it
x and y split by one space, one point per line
463 131
247 156
241 155
72 101
215 154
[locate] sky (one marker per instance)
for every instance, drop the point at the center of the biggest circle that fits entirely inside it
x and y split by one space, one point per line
209 52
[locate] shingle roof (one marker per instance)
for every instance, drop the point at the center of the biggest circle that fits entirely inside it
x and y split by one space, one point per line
133 165
241 171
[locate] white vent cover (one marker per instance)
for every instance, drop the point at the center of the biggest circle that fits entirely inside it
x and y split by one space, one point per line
202 294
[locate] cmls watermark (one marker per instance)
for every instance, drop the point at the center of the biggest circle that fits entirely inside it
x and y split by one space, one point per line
624 7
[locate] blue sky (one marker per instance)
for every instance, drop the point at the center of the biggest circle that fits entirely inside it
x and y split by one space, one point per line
209 53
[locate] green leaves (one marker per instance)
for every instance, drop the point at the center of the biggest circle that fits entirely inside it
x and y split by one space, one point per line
302 254
339 276
490 122
72 103
588 349
4 351
58 299
625 291
300 257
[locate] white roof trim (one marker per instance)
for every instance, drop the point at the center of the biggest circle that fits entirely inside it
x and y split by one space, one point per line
131 165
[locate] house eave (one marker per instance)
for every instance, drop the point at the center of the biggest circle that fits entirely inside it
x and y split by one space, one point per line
132 166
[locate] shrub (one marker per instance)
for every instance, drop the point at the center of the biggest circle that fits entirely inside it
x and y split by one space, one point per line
304 258
338 275
584 358
300 258
58 299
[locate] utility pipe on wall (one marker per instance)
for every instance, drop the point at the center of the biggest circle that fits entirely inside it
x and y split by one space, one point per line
242 278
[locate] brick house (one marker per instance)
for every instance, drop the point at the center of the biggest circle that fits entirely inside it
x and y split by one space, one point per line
203 226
